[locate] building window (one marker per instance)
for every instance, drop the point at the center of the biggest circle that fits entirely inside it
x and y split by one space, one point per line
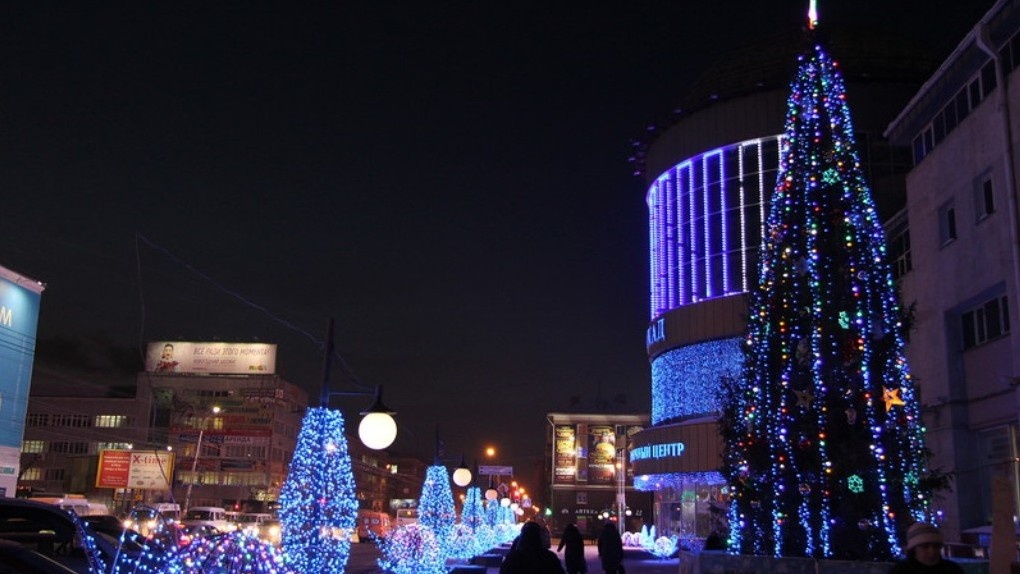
33 473
984 323
898 232
112 421
100 446
985 198
74 421
64 447
947 222
54 474
37 420
33 446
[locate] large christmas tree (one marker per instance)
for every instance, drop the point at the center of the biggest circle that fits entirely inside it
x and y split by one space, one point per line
825 449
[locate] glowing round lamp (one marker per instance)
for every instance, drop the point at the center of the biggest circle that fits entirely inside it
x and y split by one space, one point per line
505 502
377 430
491 494
462 476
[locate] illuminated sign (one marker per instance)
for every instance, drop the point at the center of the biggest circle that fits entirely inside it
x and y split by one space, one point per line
656 332
211 358
654 451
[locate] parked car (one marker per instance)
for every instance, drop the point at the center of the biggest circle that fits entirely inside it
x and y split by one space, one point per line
16 558
54 533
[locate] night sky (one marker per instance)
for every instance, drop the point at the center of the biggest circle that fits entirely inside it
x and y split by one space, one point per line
449 181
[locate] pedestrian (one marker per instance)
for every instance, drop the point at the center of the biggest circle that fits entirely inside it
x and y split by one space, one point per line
611 549
924 553
528 556
573 541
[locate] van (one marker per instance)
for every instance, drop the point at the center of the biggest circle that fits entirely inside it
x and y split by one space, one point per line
214 516
407 516
373 525
76 504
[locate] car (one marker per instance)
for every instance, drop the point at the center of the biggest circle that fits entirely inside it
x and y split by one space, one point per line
270 530
189 533
46 529
16 558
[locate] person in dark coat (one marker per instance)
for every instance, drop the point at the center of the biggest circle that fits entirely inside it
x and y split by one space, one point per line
528 556
924 553
573 541
611 549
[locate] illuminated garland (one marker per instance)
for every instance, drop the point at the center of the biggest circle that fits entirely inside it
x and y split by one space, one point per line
412 549
824 346
685 380
317 502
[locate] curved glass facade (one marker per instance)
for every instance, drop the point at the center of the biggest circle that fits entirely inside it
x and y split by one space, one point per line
705 223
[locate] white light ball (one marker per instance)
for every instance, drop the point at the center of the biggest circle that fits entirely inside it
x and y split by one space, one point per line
377 430
462 477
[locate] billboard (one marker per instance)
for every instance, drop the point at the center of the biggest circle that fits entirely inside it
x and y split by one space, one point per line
565 464
19 319
211 358
151 470
601 453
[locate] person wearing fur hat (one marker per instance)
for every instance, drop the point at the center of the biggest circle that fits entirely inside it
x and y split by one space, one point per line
924 553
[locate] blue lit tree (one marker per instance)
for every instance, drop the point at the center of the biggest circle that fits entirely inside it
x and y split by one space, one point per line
473 513
318 507
825 451
435 507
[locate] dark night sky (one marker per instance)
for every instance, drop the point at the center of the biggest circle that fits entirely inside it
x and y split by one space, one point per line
448 180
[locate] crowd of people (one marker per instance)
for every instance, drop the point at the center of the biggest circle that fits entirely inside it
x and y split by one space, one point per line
531 552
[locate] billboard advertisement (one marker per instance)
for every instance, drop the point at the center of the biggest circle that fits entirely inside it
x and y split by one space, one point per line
19 319
601 454
150 470
211 358
565 464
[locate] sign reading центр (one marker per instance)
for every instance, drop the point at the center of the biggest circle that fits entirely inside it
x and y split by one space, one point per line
206 358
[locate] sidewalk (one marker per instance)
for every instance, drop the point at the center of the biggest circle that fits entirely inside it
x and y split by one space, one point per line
649 565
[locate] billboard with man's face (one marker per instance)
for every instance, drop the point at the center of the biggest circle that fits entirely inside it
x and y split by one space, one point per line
211 358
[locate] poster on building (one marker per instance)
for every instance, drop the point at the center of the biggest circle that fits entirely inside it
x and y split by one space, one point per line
211 358
601 454
19 318
565 453
147 470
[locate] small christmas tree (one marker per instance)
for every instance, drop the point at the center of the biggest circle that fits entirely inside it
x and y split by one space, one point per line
318 507
473 513
435 508
824 440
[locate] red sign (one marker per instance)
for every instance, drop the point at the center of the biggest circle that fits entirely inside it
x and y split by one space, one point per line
114 469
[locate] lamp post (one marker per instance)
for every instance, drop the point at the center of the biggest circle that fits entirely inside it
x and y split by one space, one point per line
194 460
377 429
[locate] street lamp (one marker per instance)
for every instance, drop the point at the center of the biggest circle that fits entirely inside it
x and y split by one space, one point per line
377 429
462 476
194 460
